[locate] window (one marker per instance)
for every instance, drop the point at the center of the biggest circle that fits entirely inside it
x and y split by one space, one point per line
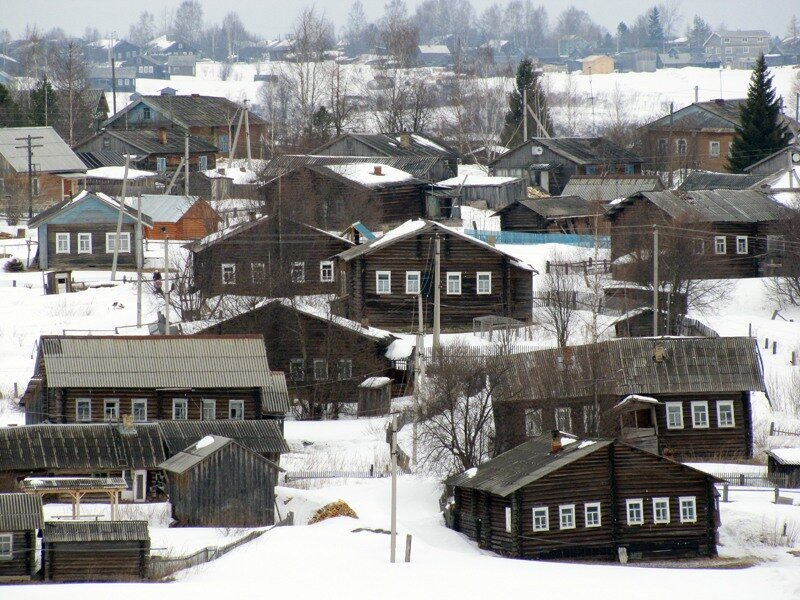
6 546
699 246
258 272
741 244
83 410
223 143
298 272
180 409
541 518
688 506
533 422
297 369
725 413
228 274
635 511
37 189
383 282
660 510
630 170
236 409
591 418
566 516
727 40
484 282
728 50
111 409
454 283
62 243
106 142
124 241
209 409
344 369
674 415
592 514
681 146
745 50
202 163
412 282
139 410
700 414
714 148
564 418
662 145
84 243
320 369
719 244
508 519
326 271
591 170
161 164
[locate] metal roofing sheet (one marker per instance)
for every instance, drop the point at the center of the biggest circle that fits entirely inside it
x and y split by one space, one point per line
53 155
703 180
164 208
553 207
194 454
418 166
95 531
85 196
193 110
148 141
603 189
55 484
262 436
20 512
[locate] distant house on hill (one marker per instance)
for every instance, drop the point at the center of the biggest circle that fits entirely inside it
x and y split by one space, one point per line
101 51
432 55
737 49
102 78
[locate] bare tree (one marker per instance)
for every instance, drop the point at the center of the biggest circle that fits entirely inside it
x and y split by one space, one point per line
478 113
557 311
784 287
404 104
70 75
399 33
144 30
671 16
188 22
342 109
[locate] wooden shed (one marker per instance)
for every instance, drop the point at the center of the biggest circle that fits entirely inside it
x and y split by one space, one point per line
785 461
217 482
556 497
20 518
95 550
181 217
374 397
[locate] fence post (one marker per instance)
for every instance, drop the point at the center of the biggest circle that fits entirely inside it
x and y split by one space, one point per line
725 492
774 347
766 343
777 493
547 267
794 358
772 428
741 479
408 547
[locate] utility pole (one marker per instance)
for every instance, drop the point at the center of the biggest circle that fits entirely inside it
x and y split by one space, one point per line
393 528
29 146
232 148
669 143
113 72
139 260
166 281
525 114
697 93
437 296
186 161
419 371
247 134
119 219
655 280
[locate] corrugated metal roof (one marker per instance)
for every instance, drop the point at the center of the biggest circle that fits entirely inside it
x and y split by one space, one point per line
397 145
54 156
263 436
20 512
704 180
55 484
155 361
191 110
721 115
148 141
603 189
275 397
85 196
194 454
554 207
418 166
164 208
95 531
582 151
101 158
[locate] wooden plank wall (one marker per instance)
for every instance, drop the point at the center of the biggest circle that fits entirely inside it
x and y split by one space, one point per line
81 561
23 560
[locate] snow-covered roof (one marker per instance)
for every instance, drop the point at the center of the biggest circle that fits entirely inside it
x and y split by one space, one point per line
163 208
117 173
375 382
786 456
434 49
630 399
364 174
471 180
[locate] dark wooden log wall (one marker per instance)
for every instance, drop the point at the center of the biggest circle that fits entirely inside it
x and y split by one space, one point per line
98 258
23 560
95 561
520 218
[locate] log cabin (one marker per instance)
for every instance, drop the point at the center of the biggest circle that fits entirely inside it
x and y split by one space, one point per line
561 497
687 398
179 217
785 462
380 280
558 214
21 518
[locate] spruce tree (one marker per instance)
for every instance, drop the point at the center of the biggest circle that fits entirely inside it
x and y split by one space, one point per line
655 31
44 108
760 131
527 79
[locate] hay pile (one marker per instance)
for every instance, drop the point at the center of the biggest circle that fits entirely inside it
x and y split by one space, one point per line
340 508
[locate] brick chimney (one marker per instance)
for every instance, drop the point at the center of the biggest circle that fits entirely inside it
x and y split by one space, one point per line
405 140
162 135
377 170
556 444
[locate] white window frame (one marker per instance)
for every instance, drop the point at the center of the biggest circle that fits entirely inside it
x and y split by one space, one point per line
741 244
568 511
543 511
323 374
125 242
633 502
161 164
60 238
141 402
385 277
483 277
689 501
6 546
234 407
728 404
591 506
85 402
567 410
672 405
681 144
714 148
720 244
344 369
84 237
202 163
177 403
508 519
230 279
209 408
455 278
258 272
112 403
657 502
297 271
695 423
410 277
326 271
294 364
534 422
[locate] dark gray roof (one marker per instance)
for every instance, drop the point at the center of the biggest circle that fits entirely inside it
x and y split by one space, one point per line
582 151
553 207
20 512
706 180
192 111
103 72
393 145
101 158
418 166
95 531
711 115
193 455
604 189
341 174
260 436
148 141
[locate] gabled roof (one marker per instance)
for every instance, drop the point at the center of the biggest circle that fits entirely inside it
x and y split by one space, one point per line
363 175
418 166
783 456
164 208
553 207
191 111
262 436
606 188
582 151
713 115
83 197
101 158
396 145
706 180
20 512
95 531
196 453
789 149
148 142
54 155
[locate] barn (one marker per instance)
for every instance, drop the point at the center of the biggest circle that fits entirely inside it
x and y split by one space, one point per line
20 518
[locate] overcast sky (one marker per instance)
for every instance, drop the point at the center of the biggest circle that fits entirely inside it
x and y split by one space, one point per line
269 18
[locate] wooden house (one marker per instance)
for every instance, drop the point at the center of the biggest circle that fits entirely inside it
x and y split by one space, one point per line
740 226
81 233
777 162
560 497
217 482
601 190
98 379
119 79
21 518
184 65
148 67
169 44
381 279
550 162
737 49
434 55
562 214
268 257
785 462
95 551
101 51
179 217
687 398
597 64
484 191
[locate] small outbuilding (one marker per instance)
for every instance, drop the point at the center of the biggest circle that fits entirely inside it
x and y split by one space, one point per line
95 550
374 397
20 518
785 462
217 482
179 217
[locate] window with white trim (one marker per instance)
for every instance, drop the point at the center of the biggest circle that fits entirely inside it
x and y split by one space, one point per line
454 282
674 415
6 546
635 511
258 272
660 510
700 414
725 416
236 409
297 369
741 244
161 164
592 517
209 409
202 163
344 369
533 422
228 273
139 410
541 518
688 506
508 519
320 369
412 282
563 416
124 241
83 410
383 282
180 409
714 148
111 409
298 272
484 279
326 271
84 243
720 244
62 243
566 516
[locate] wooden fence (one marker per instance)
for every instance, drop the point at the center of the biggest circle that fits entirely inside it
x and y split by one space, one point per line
370 474
584 267
764 480
522 237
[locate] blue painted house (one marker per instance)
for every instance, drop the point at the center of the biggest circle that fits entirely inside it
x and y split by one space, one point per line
80 233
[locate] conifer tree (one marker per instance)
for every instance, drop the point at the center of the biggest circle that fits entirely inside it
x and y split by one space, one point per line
44 108
527 79
760 131
655 31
